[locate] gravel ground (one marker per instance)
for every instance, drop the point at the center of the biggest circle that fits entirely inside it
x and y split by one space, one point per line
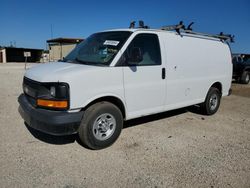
180 148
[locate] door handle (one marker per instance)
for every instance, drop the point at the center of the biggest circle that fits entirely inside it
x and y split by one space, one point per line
163 73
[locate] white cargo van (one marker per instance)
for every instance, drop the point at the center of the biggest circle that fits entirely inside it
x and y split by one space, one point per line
123 74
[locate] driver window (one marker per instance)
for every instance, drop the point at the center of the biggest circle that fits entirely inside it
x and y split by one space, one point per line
149 47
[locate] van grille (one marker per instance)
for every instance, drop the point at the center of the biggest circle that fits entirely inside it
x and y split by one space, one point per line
30 89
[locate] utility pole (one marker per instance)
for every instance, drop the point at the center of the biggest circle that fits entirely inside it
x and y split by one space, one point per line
51 31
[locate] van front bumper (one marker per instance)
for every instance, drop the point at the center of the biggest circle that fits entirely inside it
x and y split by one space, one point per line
49 121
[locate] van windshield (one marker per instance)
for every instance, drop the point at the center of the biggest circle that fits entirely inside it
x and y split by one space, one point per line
98 49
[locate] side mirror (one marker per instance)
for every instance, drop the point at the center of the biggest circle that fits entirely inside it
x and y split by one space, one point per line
135 55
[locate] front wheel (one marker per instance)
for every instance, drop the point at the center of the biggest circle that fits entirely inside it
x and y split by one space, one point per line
212 102
101 125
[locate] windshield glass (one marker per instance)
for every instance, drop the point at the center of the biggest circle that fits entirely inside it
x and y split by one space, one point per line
98 49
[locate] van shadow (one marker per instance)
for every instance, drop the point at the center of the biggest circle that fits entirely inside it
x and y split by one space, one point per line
68 139
159 116
51 139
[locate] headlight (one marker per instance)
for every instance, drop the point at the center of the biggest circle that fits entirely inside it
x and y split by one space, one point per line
47 94
60 91
54 95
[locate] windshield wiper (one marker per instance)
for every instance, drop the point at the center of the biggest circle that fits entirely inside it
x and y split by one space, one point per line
89 63
83 62
63 60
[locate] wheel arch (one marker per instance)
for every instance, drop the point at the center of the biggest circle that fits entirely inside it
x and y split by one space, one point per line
112 99
217 85
247 69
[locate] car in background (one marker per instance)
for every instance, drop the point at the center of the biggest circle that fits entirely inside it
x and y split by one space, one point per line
241 68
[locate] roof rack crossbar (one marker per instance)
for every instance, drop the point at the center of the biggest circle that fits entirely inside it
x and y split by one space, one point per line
221 36
180 28
177 27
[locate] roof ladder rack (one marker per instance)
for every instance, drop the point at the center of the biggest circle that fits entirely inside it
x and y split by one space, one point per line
221 36
181 28
177 27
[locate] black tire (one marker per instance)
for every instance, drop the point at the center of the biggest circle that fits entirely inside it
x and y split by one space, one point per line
95 122
245 77
212 102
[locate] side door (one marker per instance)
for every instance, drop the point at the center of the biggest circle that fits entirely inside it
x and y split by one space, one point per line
144 81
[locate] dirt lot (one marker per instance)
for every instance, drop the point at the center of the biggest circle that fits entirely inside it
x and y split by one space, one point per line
174 149
241 90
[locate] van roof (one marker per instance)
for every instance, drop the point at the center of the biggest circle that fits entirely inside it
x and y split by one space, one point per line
164 31
137 29
180 29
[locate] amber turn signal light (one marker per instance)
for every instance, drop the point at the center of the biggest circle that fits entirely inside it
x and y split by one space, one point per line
52 104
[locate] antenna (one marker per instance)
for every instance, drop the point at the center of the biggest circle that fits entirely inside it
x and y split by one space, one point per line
51 31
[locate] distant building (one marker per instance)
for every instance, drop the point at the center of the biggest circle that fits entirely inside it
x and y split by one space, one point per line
13 54
60 47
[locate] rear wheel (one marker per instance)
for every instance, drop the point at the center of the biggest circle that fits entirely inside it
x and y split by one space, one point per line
101 125
212 102
245 77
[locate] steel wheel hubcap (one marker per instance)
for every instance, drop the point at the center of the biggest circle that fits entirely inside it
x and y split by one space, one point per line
104 126
213 102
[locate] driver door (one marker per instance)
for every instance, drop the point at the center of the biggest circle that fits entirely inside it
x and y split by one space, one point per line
144 81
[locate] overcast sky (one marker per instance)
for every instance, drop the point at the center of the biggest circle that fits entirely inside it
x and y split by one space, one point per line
27 23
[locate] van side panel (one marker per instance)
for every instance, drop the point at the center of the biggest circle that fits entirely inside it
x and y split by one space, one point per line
192 65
